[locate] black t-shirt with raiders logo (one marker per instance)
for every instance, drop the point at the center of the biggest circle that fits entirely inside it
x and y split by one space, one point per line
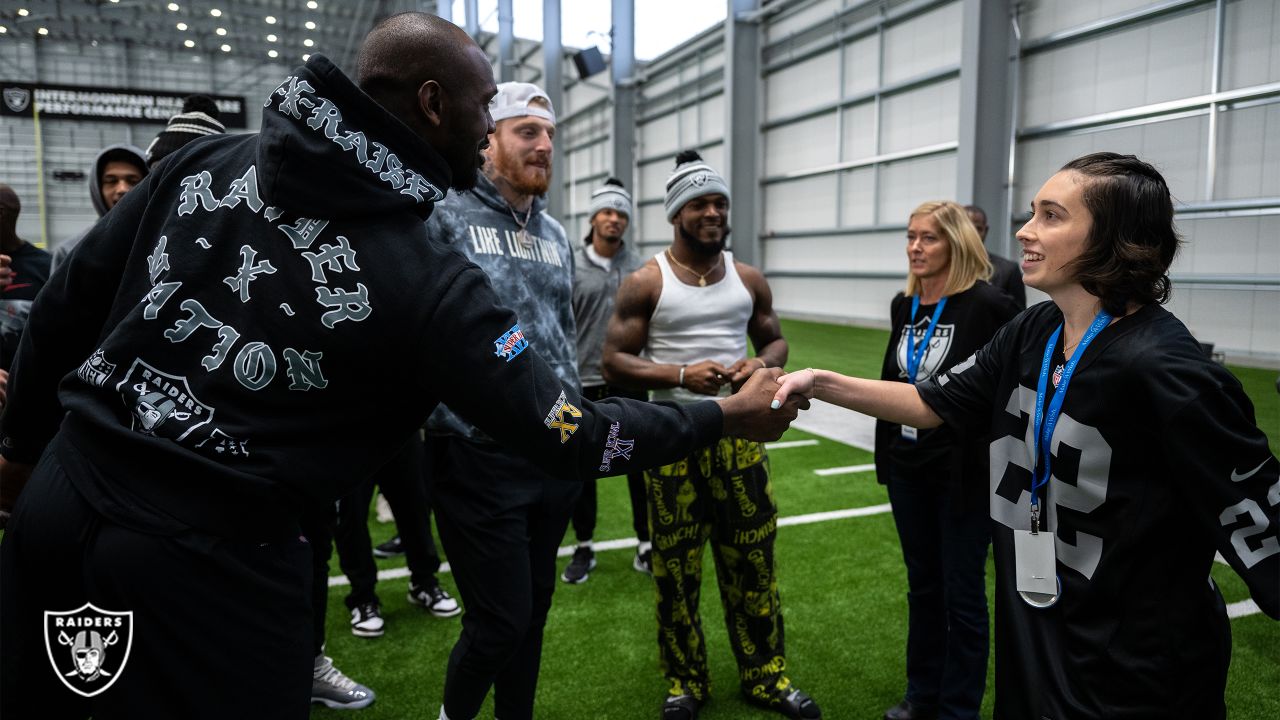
1157 463
944 454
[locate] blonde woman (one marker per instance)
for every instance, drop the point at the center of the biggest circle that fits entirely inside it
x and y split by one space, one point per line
937 478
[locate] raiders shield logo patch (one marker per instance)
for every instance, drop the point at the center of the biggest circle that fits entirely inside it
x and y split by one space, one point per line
161 404
17 99
88 647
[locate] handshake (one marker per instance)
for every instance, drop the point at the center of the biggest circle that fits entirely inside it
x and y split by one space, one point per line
764 407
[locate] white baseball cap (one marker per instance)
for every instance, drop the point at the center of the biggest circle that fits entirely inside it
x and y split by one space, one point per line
513 100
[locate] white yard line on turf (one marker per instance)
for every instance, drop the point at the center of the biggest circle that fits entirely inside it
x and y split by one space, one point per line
846 470
836 423
789 444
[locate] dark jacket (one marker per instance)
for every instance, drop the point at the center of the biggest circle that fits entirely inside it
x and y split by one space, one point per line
261 323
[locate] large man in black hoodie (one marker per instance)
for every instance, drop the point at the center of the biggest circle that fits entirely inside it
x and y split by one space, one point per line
250 330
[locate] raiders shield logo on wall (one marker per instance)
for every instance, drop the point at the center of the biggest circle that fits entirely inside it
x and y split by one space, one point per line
88 647
17 99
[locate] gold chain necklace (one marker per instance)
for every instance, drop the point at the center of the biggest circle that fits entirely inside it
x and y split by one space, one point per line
702 277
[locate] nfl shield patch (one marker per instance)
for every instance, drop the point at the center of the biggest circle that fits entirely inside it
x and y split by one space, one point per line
88 647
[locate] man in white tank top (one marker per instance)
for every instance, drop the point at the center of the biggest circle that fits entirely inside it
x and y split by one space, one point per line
679 330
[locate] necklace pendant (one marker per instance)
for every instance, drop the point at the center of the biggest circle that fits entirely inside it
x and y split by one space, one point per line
702 281
523 237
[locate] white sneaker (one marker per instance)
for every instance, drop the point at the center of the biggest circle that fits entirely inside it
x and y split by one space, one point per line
435 600
335 690
366 620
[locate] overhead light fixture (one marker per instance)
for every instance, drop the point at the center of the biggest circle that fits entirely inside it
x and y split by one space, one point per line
115 1
308 42
312 5
272 38
226 48
220 32
3 29
22 12
173 7
272 53
306 57
215 12
309 25
271 19
181 26
43 31
189 43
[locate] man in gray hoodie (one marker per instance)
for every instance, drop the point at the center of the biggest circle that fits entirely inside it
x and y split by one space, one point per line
117 169
501 518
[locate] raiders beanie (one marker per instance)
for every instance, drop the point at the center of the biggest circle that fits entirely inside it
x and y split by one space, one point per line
199 117
693 178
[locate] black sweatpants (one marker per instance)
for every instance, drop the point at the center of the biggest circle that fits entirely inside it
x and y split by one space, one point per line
501 521
213 619
403 483
584 513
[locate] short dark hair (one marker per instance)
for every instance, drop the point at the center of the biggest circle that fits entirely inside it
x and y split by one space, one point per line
1133 239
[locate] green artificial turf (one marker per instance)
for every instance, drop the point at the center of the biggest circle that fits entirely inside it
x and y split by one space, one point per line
842 583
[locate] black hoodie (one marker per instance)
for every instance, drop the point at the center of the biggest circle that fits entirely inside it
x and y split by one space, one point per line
262 322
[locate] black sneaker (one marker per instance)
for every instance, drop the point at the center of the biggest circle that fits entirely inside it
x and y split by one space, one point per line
680 707
643 561
389 549
793 703
435 600
580 567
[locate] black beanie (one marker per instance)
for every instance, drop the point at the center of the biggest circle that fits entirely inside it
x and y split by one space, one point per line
199 117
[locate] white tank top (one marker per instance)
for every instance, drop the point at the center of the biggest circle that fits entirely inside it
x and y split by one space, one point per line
691 324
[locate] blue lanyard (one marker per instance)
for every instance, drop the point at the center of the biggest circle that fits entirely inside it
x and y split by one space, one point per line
915 356
1045 423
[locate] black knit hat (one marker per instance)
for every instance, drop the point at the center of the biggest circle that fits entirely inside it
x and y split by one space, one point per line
199 117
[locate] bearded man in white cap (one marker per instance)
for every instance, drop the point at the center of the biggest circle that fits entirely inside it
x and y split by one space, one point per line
679 330
501 519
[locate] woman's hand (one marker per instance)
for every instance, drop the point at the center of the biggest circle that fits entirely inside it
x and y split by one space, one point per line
802 383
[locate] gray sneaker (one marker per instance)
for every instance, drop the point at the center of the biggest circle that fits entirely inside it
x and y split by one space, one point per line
331 687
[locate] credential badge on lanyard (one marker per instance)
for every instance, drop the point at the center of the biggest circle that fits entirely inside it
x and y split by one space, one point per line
1035 560
915 355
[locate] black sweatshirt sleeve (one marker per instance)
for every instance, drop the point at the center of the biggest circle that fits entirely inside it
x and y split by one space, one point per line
1220 457
67 319
489 376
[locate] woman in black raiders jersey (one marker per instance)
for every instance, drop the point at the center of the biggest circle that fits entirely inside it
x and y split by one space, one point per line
1108 501
937 478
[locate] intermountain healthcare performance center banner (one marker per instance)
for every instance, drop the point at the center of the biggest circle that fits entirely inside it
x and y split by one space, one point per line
83 102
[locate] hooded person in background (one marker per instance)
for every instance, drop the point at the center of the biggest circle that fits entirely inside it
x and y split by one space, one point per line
117 169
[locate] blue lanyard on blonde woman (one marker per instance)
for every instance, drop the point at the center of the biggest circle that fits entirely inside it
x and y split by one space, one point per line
1044 423
914 356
